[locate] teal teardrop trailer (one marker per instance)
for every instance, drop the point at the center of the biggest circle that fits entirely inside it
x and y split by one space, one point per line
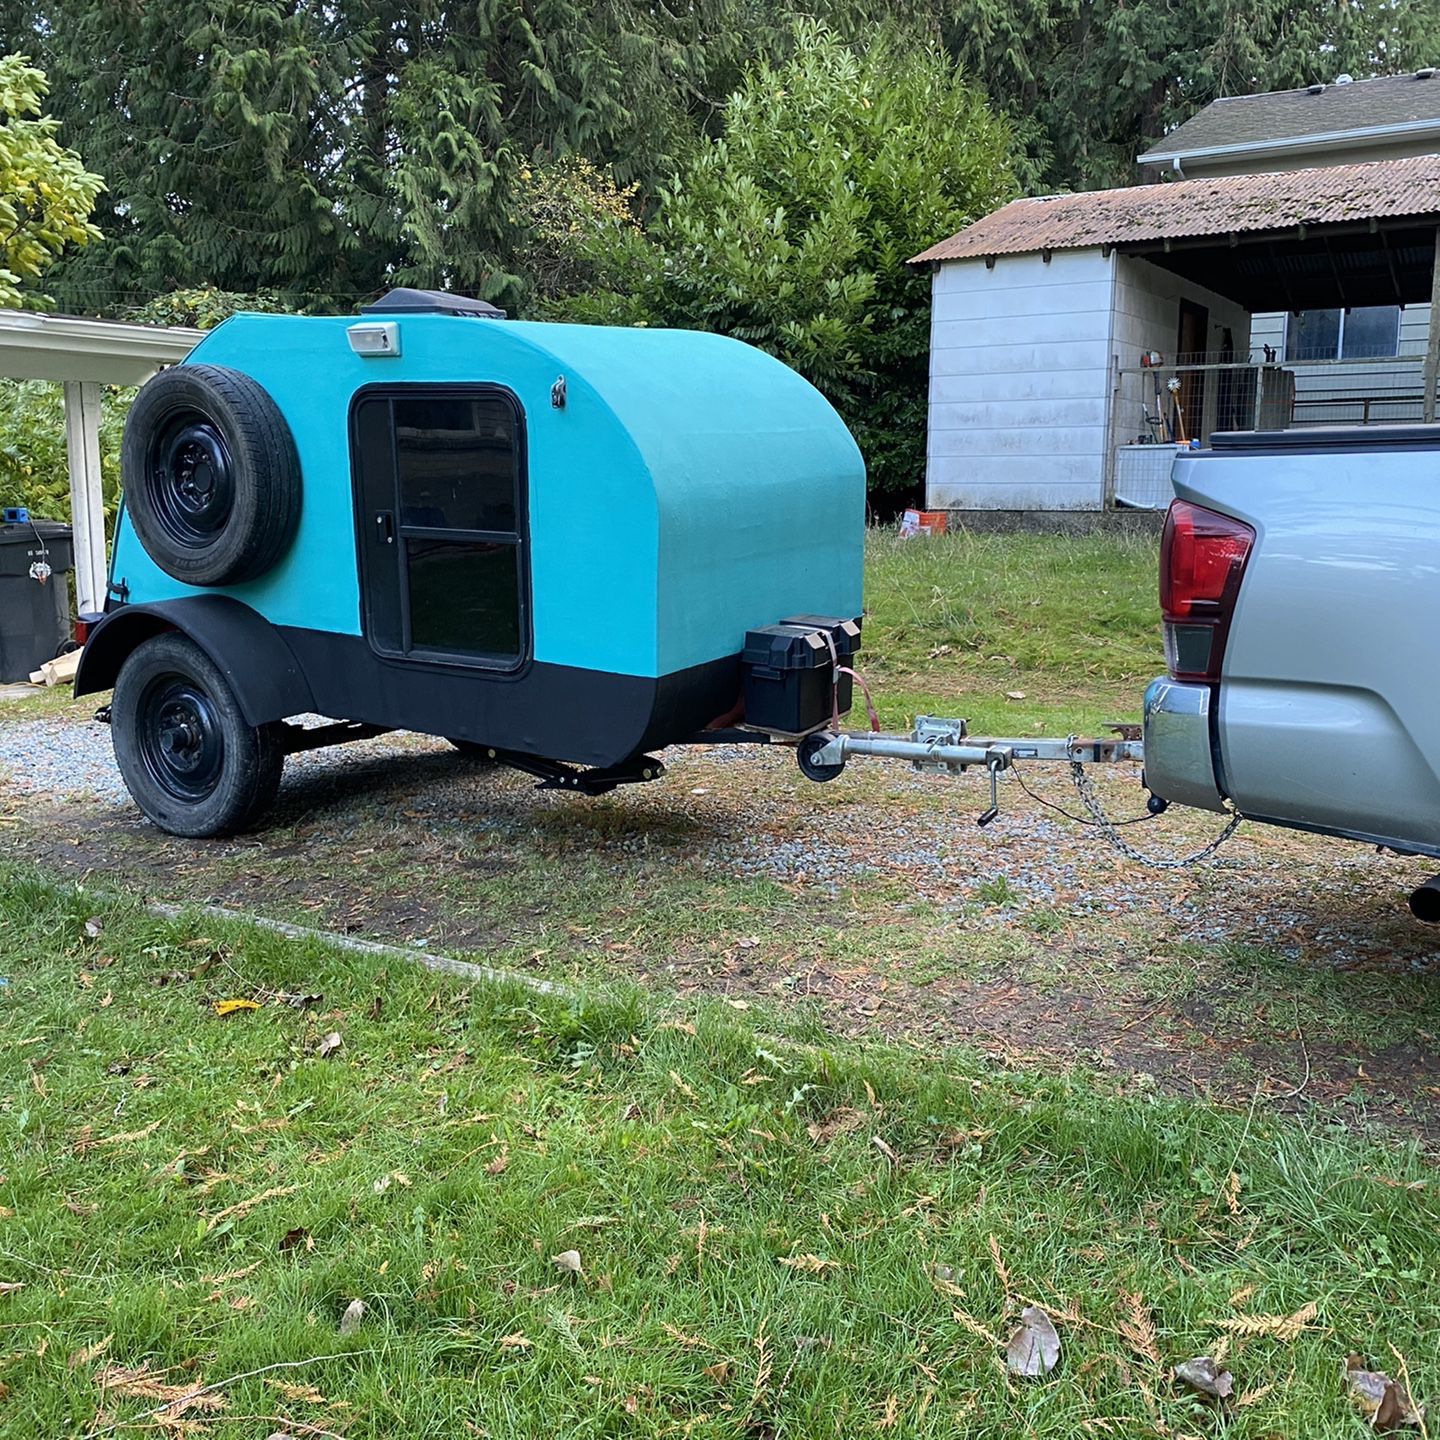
564 546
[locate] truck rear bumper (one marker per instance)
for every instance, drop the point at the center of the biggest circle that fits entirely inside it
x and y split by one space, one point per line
1179 757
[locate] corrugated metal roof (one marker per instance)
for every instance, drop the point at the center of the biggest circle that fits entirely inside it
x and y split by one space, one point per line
1232 204
1282 115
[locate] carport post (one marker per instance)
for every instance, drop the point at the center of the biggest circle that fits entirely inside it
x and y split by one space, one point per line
87 510
1432 350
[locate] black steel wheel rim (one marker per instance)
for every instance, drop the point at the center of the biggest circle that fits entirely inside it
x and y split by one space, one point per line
181 742
191 478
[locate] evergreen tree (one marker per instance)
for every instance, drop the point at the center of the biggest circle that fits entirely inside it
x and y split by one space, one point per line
324 150
792 230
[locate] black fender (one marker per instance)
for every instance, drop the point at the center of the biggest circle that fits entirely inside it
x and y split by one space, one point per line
250 652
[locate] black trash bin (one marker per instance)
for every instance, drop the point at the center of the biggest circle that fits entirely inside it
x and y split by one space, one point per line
34 614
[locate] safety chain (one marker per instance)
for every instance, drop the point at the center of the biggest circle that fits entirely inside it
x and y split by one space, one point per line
1091 801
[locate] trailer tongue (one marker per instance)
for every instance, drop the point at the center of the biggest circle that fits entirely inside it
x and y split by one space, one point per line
945 747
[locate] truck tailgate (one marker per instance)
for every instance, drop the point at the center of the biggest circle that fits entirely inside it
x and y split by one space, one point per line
1329 703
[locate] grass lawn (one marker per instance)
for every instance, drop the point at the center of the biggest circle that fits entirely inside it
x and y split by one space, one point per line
761 1225
1071 624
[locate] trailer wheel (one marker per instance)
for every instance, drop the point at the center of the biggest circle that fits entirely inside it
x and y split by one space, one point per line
210 474
811 768
188 757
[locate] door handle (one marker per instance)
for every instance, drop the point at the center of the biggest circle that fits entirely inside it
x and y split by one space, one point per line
385 527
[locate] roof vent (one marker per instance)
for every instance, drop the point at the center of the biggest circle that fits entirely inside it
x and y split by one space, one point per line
1425 72
1313 89
1344 79
431 302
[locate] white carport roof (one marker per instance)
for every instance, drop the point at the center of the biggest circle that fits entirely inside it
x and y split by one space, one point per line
36 346
83 355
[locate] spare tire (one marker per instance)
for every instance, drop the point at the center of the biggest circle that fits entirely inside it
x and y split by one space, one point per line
210 474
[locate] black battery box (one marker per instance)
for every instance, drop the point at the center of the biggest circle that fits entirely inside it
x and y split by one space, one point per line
790 673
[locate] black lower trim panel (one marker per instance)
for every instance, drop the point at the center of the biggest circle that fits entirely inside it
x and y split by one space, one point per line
560 712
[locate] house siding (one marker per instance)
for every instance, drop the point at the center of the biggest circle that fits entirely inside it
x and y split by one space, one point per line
1020 366
1313 381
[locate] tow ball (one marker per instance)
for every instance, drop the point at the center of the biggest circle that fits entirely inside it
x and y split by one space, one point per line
943 746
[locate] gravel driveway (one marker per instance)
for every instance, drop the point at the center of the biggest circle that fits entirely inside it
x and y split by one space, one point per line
1288 961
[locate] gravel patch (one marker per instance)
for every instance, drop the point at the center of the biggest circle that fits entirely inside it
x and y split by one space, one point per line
63 757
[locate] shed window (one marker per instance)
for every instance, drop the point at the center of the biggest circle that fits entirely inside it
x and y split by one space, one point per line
440 492
1367 332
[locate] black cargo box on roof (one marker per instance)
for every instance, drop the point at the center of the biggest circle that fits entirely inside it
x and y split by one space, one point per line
405 301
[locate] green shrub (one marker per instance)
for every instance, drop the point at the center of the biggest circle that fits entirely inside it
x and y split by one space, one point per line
792 230
33 468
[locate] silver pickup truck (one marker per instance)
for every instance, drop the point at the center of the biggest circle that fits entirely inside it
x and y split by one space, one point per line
1300 589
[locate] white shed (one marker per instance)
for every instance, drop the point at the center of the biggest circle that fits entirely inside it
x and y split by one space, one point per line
1024 361
1047 316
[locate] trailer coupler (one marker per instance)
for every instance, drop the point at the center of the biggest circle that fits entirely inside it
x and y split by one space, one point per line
946 747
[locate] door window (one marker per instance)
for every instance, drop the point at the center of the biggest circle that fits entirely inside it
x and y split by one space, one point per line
439 476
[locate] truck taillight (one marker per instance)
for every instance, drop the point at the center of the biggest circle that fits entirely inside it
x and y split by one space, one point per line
1202 557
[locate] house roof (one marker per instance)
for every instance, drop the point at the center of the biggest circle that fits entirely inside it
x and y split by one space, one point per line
1219 206
1352 111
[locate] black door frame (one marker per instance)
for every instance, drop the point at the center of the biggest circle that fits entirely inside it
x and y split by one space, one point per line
367 575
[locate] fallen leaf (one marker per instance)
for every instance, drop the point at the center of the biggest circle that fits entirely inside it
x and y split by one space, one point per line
1231 1193
1002 1271
885 1149
230 1007
293 1239
1205 1375
354 1314
517 1341
304 1394
302 1000
838 1122
89 1352
567 1260
1254 1395
94 927
1278 1327
142 1384
719 1372
970 1323
244 1207
329 1044
1014 694
1034 1347
810 1264
1385 1402
1137 1329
